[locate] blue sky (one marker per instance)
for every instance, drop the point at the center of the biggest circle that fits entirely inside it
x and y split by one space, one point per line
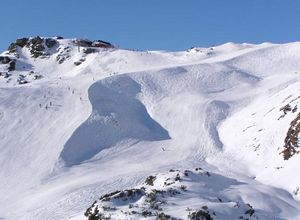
153 24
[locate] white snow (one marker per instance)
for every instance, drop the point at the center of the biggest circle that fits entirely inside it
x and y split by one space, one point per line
120 116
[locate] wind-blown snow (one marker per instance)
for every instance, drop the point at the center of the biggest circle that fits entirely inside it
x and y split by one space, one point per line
81 131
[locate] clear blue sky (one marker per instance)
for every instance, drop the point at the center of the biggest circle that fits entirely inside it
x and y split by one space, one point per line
153 24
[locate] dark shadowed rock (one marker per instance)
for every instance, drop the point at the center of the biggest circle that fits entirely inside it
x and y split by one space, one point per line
83 42
50 42
22 42
37 47
36 40
103 44
4 60
12 65
89 50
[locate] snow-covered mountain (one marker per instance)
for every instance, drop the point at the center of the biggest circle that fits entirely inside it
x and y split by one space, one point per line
89 130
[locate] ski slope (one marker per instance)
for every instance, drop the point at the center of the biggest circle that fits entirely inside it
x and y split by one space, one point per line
79 131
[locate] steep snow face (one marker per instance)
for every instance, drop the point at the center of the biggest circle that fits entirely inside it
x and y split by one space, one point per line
116 115
79 120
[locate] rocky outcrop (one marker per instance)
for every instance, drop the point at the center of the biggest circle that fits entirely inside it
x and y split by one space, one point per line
7 60
96 43
4 59
37 46
12 65
291 142
103 44
50 42
164 192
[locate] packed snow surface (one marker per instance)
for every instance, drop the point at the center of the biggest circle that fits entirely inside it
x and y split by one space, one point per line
79 124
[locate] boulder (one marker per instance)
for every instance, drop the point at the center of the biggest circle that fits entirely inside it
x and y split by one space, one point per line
77 63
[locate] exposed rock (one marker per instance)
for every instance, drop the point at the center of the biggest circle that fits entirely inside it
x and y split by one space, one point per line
36 40
4 59
6 75
50 42
291 141
35 77
77 63
63 54
89 50
12 65
21 42
83 42
103 44
37 45
96 43
59 38
200 215
22 81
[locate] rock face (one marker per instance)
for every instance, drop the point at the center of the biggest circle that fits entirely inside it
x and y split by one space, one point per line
12 65
44 47
50 42
7 60
4 59
103 44
38 46
96 43
292 139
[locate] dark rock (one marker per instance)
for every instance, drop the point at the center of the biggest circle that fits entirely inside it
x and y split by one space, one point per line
37 47
12 65
12 48
83 42
36 40
50 42
89 50
150 180
35 77
200 215
60 59
59 37
22 81
36 53
291 141
103 44
6 75
4 59
77 63
22 42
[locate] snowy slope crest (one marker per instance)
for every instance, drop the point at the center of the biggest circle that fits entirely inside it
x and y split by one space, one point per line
188 194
